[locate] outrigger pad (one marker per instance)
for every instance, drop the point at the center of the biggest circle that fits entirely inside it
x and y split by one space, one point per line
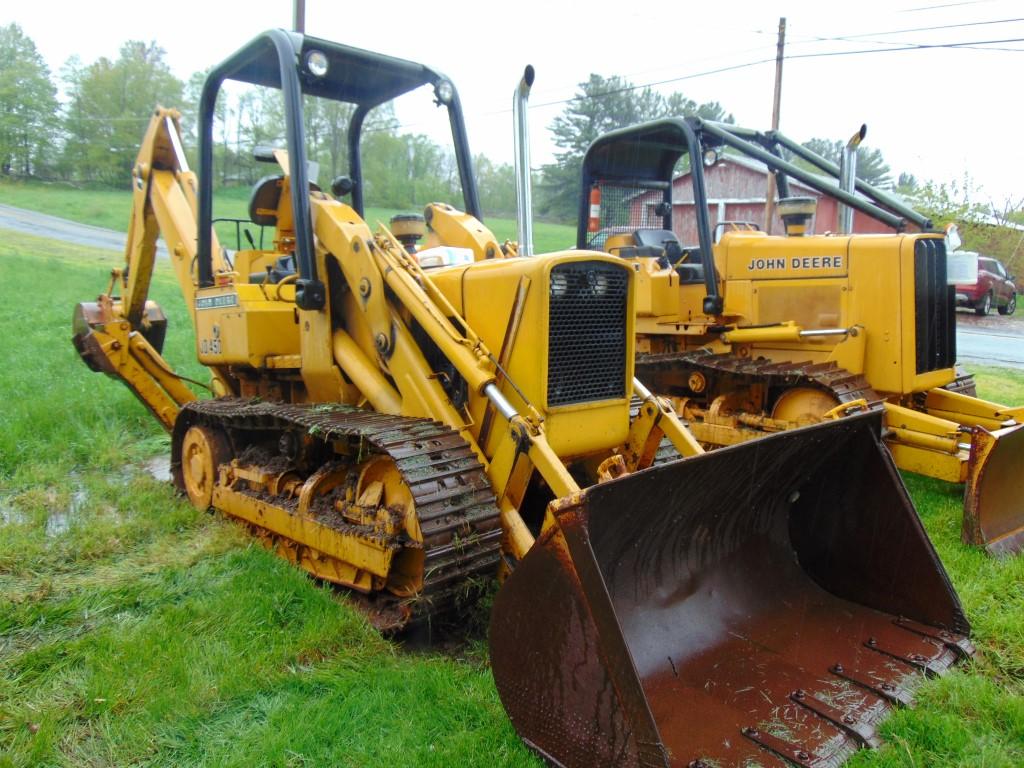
768 600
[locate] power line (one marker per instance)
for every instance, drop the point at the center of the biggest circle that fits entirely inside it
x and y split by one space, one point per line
907 45
735 67
864 35
915 47
816 38
946 5
813 39
927 29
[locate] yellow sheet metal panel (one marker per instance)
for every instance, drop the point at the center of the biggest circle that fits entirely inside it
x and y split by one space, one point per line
809 303
449 281
907 328
754 256
238 325
877 303
488 290
643 287
739 301
576 431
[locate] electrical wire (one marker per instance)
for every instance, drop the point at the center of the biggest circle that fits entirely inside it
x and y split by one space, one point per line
817 38
914 47
735 67
946 5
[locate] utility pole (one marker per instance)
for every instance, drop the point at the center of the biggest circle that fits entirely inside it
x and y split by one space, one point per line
769 206
299 16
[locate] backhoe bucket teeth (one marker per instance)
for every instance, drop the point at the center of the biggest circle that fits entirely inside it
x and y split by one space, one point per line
763 603
993 505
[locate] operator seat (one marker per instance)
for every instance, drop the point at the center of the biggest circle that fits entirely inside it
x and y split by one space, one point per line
264 200
687 261
662 239
263 207
263 204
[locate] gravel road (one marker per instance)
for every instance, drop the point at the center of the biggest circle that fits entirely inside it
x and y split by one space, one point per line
44 225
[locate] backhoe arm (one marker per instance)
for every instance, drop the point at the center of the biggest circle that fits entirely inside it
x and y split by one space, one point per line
122 335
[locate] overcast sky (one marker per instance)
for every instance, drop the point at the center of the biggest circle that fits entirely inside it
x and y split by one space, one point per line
936 112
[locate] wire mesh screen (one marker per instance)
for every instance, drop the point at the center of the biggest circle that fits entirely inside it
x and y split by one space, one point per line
587 325
624 207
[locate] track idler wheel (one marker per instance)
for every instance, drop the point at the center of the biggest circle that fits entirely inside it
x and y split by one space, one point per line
803 405
203 450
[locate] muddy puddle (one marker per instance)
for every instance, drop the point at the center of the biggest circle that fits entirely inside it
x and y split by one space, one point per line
159 468
59 520
10 515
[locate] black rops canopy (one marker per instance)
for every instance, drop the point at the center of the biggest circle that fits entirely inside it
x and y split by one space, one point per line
647 154
278 59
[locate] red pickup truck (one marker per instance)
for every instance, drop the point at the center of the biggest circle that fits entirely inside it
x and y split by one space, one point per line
995 288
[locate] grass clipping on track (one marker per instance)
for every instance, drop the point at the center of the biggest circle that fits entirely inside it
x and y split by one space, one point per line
135 630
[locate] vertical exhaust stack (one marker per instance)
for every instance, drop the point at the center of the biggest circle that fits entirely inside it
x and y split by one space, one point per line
524 204
848 178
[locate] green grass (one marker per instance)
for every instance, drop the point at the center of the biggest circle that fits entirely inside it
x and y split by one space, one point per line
110 208
135 630
99 207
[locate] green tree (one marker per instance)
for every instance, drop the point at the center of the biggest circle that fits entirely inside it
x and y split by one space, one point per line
871 166
907 184
601 105
497 186
983 226
28 104
109 108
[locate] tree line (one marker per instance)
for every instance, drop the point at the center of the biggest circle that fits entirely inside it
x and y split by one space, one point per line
91 135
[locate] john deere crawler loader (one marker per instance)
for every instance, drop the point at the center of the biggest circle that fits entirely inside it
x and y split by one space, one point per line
408 432
752 334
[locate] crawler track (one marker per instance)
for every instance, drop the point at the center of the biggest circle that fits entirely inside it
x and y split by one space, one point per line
454 503
668 372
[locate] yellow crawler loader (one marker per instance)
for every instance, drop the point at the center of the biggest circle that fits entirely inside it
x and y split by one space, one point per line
752 334
411 424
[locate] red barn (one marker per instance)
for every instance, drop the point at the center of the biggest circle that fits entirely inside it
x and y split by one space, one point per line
736 189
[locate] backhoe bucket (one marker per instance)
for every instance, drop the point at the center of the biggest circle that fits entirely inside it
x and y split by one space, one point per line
993 504
762 603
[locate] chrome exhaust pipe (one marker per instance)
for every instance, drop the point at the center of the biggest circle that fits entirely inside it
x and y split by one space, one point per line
848 178
524 204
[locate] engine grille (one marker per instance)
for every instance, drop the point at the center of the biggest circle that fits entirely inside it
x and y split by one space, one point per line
934 308
587 328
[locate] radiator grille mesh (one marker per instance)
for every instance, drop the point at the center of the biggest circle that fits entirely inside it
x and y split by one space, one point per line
587 332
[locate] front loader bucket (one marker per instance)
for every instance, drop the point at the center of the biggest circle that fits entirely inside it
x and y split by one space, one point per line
769 600
993 504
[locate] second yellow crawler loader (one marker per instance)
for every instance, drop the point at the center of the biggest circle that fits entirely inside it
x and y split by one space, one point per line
410 433
752 334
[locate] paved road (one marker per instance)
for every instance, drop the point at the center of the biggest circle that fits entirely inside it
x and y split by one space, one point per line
44 225
989 341
990 347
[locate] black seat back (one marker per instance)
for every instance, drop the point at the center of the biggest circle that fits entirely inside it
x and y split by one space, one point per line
266 196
